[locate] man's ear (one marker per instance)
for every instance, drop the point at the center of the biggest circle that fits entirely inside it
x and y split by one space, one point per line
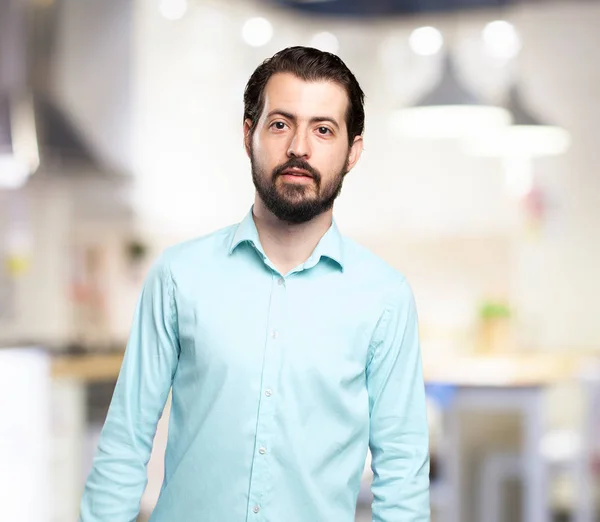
355 151
248 136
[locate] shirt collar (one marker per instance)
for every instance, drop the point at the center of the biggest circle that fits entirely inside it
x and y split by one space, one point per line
330 246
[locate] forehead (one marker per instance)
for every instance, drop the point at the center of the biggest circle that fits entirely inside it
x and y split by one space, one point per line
287 92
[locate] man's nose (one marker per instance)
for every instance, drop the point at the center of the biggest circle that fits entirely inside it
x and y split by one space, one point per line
299 145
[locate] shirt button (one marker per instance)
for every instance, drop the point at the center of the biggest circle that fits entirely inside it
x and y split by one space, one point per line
268 393
274 334
256 509
262 451
281 281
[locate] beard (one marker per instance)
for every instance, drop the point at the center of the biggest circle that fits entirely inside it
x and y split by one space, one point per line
296 203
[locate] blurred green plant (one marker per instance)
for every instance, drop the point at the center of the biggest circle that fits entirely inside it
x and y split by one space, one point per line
494 310
136 251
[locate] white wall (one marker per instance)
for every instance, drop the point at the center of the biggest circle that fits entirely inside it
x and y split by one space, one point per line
557 278
414 203
166 98
41 309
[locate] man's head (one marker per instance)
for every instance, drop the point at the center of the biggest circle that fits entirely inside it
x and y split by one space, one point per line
303 125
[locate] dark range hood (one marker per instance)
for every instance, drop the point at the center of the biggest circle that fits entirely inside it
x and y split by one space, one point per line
35 133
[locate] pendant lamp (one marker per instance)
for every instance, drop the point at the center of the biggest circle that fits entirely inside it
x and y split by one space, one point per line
448 111
18 149
528 136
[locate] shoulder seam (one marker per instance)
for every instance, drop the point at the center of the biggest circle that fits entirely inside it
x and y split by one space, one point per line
171 291
387 310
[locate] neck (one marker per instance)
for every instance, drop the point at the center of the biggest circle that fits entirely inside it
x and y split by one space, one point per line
288 245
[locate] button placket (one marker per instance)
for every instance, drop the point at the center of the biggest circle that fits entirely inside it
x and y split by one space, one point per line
261 485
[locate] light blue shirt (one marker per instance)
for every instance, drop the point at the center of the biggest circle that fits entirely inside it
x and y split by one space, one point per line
279 384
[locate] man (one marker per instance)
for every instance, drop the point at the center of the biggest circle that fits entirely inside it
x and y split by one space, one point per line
289 349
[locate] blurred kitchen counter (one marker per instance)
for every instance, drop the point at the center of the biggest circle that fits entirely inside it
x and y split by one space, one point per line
509 369
515 369
90 368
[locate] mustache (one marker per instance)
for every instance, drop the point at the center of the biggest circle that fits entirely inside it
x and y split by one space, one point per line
297 163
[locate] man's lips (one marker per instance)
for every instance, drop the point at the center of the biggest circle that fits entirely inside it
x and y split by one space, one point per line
296 172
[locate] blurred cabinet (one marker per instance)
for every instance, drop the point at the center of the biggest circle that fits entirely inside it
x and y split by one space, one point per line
24 435
67 439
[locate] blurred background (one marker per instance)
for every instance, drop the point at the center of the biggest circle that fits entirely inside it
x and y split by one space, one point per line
121 134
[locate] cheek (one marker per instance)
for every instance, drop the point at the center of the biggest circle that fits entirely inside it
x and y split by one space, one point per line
331 161
270 152
263 161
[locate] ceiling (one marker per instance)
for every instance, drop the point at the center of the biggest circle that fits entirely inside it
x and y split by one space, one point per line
367 8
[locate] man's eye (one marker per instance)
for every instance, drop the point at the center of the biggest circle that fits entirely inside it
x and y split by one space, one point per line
324 130
279 125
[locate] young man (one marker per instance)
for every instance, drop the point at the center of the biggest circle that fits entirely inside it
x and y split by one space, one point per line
288 348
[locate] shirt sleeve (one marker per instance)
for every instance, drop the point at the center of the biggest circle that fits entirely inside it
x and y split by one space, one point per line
399 438
118 478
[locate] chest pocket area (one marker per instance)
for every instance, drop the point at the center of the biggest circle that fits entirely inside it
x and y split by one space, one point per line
328 344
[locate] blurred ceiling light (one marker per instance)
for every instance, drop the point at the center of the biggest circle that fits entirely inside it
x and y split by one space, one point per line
526 137
426 41
501 40
325 42
257 32
518 144
173 9
13 172
448 111
19 155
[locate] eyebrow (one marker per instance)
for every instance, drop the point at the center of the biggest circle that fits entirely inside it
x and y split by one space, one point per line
292 117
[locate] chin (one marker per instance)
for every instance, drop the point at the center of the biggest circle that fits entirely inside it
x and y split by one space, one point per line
299 200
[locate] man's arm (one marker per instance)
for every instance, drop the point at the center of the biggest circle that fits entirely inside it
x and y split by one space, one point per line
118 478
399 438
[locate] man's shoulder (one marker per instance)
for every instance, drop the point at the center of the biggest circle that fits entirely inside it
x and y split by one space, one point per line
362 260
205 248
382 281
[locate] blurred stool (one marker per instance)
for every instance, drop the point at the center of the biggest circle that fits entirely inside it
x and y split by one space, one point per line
579 453
587 466
497 468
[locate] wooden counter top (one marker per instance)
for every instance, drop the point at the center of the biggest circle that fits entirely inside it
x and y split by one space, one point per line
535 369
510 370
88 367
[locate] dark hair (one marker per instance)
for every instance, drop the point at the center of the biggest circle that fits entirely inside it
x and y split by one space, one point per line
308 64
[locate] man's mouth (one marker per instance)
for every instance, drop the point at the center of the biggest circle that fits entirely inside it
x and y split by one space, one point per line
296 172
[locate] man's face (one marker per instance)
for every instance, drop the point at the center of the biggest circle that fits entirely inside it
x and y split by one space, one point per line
299 149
